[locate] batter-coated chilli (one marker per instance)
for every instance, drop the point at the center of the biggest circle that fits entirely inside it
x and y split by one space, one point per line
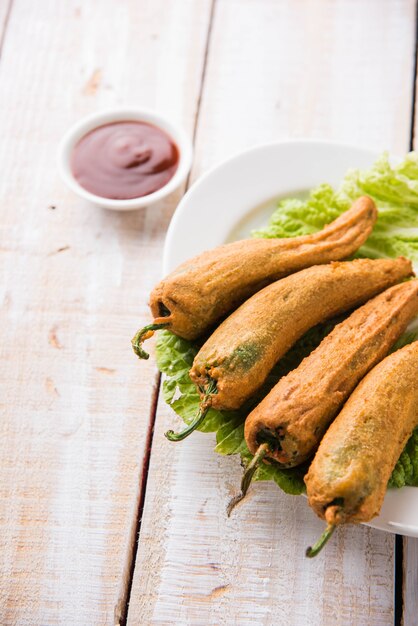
293 417
238 356
190 300
348 477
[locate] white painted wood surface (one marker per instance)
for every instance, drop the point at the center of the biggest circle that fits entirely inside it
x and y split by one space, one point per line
340 70
76 407
410 590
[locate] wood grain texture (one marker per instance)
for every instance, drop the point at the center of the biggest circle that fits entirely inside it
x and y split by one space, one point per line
324 68
275 69
76 406
410 588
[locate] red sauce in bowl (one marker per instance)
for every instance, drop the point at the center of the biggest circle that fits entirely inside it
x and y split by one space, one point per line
124 160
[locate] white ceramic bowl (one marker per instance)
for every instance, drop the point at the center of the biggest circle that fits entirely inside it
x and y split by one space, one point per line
81 128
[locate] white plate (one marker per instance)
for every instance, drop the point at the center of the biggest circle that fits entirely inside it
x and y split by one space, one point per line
240 194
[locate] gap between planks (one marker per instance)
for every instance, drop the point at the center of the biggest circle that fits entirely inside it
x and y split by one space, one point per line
5 22
414 84
144 478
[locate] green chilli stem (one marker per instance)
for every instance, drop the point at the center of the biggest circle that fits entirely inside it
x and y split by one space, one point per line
142 335
204 407
248 476
326 535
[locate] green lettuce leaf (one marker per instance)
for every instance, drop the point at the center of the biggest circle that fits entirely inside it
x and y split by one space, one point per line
174 359
395 191
406 469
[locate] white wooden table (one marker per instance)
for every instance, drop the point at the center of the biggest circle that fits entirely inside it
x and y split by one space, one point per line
103 521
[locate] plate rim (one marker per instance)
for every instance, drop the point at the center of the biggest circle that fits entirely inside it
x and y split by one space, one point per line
260 147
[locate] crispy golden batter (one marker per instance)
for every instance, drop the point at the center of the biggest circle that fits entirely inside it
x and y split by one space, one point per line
348 477
295 414
201 291
244 348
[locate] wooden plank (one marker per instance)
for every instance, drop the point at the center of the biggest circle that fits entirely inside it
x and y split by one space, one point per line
299 81
410 587
275 69
76 407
